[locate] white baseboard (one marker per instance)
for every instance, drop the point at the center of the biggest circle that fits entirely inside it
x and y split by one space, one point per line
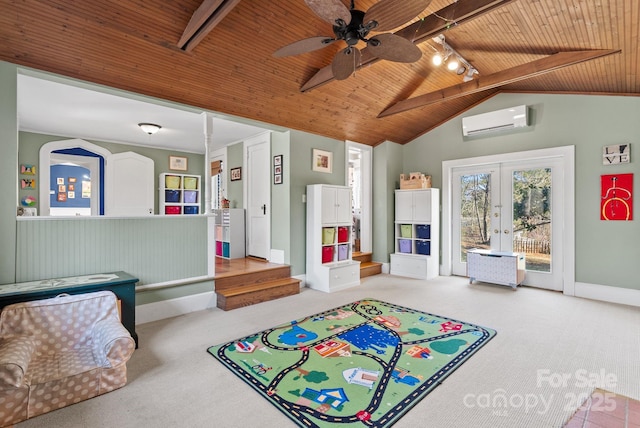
624 296
175 307
386 268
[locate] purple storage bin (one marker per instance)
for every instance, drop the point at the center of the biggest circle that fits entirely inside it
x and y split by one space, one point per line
405 245
343 252
190 197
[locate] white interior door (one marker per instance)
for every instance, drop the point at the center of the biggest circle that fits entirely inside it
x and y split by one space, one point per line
258 193
129 185
511 206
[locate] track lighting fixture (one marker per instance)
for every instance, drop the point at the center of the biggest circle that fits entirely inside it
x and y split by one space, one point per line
454 61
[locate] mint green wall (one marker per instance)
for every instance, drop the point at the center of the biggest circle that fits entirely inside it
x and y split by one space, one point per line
302 145
8 171
235 188
280 196
606 251
29 152
387 162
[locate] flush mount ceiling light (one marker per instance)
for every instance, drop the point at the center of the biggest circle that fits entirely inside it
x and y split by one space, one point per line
149 128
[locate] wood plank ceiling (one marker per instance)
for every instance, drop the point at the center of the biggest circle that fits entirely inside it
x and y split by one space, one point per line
133 45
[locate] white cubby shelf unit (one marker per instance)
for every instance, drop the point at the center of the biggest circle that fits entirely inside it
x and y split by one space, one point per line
179 194
229 226
416 234
330 266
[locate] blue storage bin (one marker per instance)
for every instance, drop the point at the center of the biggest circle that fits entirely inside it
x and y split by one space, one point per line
191 210
423 247
172 196
404 245
423 231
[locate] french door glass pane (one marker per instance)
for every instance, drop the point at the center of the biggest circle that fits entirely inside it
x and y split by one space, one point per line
475 213
532 217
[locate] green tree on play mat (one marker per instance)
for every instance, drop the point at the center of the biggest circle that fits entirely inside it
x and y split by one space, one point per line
312 376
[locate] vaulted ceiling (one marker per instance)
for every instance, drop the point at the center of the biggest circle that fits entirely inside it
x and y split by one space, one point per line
550 46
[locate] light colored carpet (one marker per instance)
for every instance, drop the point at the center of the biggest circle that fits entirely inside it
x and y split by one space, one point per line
550 352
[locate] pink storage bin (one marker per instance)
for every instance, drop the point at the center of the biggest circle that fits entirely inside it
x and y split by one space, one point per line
327 254
171 209
343 234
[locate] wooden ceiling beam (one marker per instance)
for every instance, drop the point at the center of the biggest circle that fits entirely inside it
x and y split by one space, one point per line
455 14
500 78
203 20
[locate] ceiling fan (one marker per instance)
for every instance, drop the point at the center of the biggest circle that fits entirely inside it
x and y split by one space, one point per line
353 26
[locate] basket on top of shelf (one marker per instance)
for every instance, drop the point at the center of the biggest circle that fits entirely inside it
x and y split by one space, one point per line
416 180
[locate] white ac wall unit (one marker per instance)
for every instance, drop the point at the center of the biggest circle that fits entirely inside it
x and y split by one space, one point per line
495 121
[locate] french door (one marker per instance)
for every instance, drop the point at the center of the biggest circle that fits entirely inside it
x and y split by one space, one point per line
511 206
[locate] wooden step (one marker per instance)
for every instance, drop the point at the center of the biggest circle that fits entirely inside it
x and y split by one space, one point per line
251 294
234 280
361 257
370 269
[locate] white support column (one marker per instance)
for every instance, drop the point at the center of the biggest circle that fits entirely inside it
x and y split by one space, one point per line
207 121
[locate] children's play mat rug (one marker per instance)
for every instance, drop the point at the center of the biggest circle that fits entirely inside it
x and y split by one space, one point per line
362 364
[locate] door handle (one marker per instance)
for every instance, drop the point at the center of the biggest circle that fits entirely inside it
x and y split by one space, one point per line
496 231
506 231
264 209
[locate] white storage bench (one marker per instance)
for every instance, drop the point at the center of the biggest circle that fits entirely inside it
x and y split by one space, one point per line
497 267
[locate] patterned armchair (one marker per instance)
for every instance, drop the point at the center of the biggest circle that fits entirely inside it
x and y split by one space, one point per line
60 351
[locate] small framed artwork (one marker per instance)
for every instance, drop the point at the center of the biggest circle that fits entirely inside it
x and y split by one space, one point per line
277 170
72 179
62 197
72 187
277 160
60 180
28 169
62 188
236 173
71 195
616 154
277 179
322 161
28 183
177 163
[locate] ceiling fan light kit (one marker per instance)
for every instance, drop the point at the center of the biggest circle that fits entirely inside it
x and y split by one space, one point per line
353 26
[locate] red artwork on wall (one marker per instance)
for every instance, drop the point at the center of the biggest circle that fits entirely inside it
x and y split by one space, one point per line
616 197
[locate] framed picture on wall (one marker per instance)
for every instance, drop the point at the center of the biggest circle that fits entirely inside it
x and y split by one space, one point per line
236 173
178 163
322 161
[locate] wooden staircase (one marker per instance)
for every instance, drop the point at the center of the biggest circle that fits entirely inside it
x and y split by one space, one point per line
237 289
367 267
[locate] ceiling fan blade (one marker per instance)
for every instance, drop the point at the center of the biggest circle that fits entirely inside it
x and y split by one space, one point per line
330 10
394 48
390 14
303 46
345 63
